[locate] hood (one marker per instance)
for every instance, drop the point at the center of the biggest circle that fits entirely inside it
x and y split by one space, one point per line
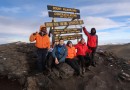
42 26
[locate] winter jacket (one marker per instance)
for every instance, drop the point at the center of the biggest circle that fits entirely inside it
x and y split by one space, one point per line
92 39
41 41
60 52
71 52
81 49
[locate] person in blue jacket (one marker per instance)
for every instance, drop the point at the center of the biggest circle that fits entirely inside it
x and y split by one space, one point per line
59 54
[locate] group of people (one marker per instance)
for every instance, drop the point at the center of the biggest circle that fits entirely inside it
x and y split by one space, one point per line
79 55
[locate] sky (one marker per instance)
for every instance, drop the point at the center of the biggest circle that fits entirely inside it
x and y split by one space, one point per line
20 18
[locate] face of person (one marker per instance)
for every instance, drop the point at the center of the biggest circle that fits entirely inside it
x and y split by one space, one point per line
93 32
70 45
82 41
61 42
42 32
43 28
56 43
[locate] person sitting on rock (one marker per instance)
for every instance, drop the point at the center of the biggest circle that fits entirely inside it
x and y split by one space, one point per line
59 54
81 54
49 55
92 43
43 45
71 58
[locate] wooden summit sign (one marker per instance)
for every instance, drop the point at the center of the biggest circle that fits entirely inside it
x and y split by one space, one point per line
63 15
57 8
63 23
68 37
67 31
60 12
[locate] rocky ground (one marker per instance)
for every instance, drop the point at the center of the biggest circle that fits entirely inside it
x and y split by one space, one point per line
18 72
120 50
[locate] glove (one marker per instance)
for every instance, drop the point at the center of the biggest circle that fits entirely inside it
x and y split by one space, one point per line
35 33
84 28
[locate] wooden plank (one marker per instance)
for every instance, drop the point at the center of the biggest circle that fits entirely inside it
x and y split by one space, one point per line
64 23
69 37
68 25
63 15
67 31
57 8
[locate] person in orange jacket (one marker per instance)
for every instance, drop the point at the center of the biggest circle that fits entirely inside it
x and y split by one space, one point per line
81 53
43 45
71 57
92 43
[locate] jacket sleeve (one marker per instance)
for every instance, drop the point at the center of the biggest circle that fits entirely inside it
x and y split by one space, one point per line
32 38
64 56
48 42
97 41
86 32
74 51
54 52
76 46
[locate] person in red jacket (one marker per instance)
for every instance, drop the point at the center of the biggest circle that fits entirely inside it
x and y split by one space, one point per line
81 53
92 43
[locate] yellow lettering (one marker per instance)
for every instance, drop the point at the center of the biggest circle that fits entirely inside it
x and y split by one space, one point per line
56 8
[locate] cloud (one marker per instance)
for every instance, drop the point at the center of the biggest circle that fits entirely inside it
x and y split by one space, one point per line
101 23
12 30
5 40
107 9
113 37
12 26
10 9
128 21
116 34
103 34
20 9
44 14
101 1
9 39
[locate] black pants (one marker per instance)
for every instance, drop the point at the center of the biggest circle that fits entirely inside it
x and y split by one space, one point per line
92 54
74 64
88 60
48 59
54 65
81 60
41 59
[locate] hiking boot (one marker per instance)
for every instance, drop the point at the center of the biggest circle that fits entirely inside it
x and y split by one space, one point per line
81 75
93 64
76 73
83 70
87 69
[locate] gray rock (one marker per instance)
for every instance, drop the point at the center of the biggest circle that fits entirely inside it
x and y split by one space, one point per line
124 76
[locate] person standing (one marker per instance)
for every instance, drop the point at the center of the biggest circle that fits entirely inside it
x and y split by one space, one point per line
92 43
43 45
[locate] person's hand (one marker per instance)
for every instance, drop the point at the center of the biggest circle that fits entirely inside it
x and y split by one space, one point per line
35 33
84 27
56 61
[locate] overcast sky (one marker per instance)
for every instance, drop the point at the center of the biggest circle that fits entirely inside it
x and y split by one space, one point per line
20 18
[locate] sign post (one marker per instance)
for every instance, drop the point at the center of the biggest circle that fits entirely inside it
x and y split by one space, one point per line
60 12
